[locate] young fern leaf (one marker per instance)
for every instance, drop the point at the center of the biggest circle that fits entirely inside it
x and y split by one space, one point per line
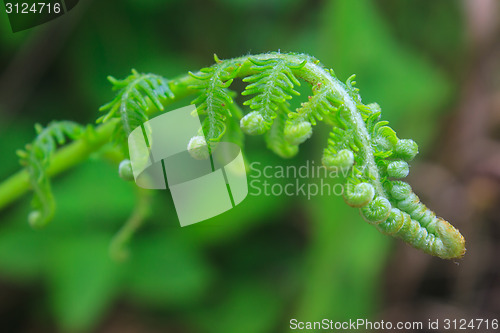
389 205
214 99
36 159
366 149
321 106
341 144
136 94
402 214
272 86
343 152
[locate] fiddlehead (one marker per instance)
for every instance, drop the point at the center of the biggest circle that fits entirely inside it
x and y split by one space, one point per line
131 104
413 222
365 148
36 158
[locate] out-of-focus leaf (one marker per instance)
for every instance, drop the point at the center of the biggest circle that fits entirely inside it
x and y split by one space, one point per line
92 198
254 210
82 281
165 270
22 252
441 36
13 136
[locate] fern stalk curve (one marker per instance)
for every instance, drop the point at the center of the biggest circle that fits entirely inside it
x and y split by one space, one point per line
360 142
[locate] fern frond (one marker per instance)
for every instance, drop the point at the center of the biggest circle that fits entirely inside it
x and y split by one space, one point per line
214 98
320 106
352 90
272 86
36 158
373 161
341 144
136 94
406 217
364 147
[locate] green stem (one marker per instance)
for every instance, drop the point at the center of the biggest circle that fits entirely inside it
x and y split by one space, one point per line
118 246
65 158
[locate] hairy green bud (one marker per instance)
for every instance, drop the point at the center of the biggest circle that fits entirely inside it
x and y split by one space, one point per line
398 169
344 159
125 170
400 190
198 148
377 210
34 218
359 195
297 133
253 124
407 149
393 223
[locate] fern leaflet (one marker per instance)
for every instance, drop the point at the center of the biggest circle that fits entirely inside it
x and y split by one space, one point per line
272 86
36 158
214 98
132 103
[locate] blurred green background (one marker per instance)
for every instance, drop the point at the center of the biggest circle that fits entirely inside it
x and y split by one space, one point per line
434 68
